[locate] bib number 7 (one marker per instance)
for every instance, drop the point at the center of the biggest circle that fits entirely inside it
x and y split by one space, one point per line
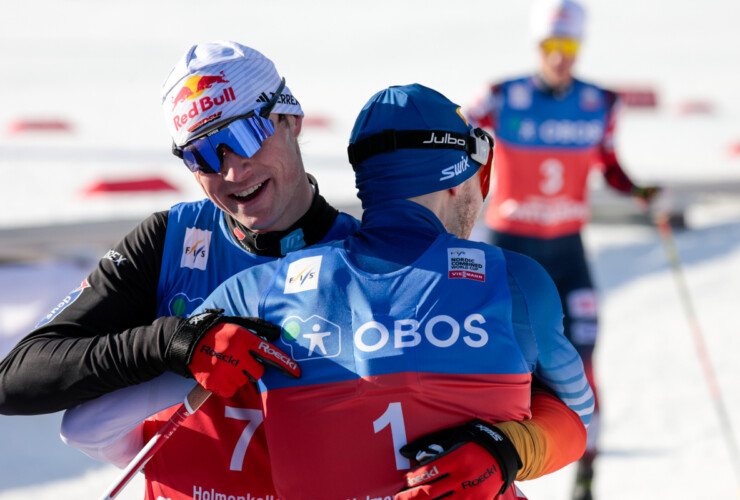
255 420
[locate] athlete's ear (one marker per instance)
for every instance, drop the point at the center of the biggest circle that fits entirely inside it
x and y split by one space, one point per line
454 190
297 124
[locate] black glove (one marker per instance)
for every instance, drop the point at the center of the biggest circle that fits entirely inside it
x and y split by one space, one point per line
472 461
224 352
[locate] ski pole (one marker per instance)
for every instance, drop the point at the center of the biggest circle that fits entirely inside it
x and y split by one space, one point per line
195 398
669 244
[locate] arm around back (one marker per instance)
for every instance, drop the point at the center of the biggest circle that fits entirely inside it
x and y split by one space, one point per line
105 338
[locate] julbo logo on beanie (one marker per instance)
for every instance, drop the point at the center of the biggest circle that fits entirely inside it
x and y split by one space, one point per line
405 173
216 81
557 19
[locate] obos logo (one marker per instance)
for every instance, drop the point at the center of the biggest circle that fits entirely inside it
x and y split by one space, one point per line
303 275
311 338
73 295
195 248
439 331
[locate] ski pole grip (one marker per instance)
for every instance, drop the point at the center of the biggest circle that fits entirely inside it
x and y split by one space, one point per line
196 397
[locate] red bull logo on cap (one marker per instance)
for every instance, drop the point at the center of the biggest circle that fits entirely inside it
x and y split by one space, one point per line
192 90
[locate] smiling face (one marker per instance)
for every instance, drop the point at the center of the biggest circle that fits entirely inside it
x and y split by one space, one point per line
270 190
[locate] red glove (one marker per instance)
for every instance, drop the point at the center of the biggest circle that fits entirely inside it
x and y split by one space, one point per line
224 352
470 462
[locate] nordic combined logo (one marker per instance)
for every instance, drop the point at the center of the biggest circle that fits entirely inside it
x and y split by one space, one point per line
466 263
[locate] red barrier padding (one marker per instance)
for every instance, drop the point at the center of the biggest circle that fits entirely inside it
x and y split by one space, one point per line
39 125
695 108
130 186
317 121
638 97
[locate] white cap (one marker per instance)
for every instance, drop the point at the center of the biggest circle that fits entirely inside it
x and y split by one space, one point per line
557 18
216 81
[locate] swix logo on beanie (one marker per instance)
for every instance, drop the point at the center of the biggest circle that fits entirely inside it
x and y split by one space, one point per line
458 168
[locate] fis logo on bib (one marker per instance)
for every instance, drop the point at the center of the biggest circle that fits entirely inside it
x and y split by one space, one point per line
311 338
303 275
466 263
195 248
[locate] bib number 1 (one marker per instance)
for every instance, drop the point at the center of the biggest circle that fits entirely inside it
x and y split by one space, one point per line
393 417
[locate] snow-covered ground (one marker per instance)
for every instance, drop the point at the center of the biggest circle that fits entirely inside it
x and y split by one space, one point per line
98 66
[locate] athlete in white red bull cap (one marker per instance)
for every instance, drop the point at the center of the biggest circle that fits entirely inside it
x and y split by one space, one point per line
551 129
123 334
221 103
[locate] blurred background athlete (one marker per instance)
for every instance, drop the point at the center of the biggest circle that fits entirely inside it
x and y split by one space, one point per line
551 129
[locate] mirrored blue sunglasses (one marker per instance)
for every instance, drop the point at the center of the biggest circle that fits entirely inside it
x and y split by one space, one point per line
243 134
